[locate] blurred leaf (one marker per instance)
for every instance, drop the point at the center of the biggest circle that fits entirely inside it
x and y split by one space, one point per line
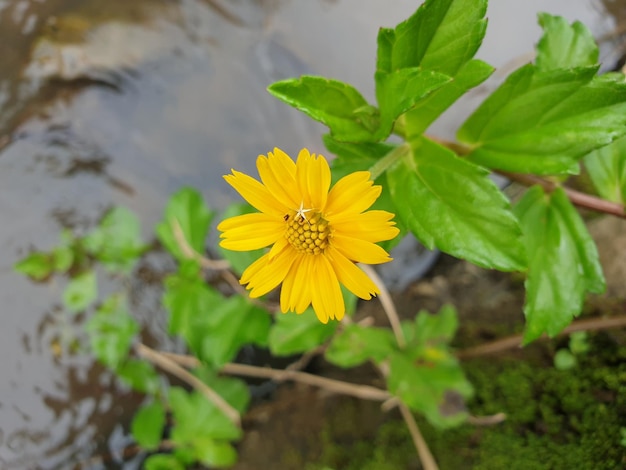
80 292
564 360
452 204
578 342
215 453
139 375
63 258
434 330
292 333
235 391
116 242
162 462
356 345
336 104
147 425
607 170
239 260
543 122
563 45
563 261
111 331
37 265
187 208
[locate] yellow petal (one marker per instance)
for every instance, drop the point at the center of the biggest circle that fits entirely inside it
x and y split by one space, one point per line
250 231
271 274
255 193
315 179
252 270
359 250
278 173
279 246
352 194
372 226
287 289
351 276
325 291
295 294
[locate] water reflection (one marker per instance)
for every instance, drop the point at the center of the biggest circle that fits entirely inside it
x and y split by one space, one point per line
110 102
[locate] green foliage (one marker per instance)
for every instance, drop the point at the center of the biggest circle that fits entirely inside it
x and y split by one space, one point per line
607 170
292 333
356 344
37 265
147 425
80 292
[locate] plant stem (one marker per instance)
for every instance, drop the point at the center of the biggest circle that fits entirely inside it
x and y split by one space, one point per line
190 253
392 157
426 458
168 365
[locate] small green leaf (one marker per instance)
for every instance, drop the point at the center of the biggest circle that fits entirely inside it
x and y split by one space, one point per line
187 209
293 333
215 453
564 360
607 170
63 258
543 122
139 375
450 203
563 45
147 425
239 260
432 330
111 331
163 462
563 261
235 391
579 343
38 265
356 345
80 292
336 104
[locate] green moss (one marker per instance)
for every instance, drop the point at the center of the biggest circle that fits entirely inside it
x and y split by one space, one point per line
555 419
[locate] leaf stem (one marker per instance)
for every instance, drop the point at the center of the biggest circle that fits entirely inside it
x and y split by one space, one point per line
426 458
392 157
168 365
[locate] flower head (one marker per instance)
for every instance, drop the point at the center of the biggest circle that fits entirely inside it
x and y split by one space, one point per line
316 235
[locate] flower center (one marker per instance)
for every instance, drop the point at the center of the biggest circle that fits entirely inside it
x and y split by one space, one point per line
307 231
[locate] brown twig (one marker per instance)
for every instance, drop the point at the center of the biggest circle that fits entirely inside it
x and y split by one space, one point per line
167 364
515 341
486 420
190 253
426 458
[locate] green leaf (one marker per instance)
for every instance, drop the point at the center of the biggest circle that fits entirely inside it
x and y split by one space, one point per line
239 260
163 462
235 391
356 345
80 292
400 90
116 242
187 209
37 265
564 360
450 203
63 258
543 122
579 343
563 45
433 330
215 453
607 170
147 425
563 261
111 331
292 333
195 417
139 375
233 322
336 104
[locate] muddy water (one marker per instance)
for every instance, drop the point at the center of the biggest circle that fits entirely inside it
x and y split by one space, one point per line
109 102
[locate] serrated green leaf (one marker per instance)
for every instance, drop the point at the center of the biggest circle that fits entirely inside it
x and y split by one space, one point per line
356 344
186 207
292 333
111 331
239 260
139 375
80 292
451 204
147 425
543 122
423 387
563 261
215 453
197 418
434 330
163 462
563 45
37 265
116 242
233 323
336 104
607 170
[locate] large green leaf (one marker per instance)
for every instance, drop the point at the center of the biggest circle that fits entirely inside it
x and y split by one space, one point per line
543 122
563 261
452 204
293 333
607 170
355 345
563 45
147 425
336 104
187 209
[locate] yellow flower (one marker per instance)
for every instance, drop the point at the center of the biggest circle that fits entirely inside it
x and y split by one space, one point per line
316 235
